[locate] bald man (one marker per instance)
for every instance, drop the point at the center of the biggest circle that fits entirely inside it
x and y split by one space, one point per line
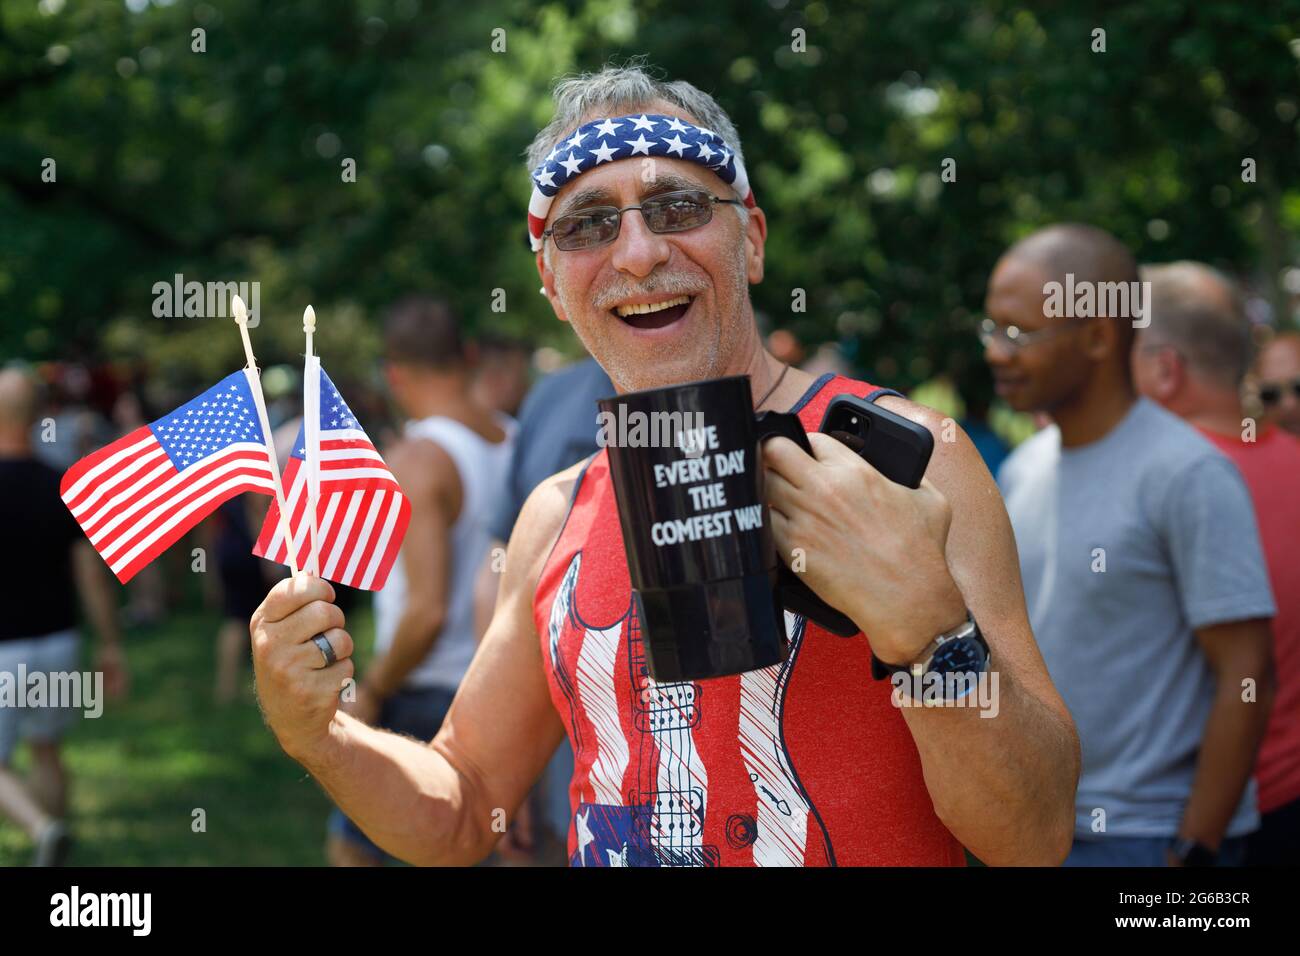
1192 359
1142 566
1278 376
38 586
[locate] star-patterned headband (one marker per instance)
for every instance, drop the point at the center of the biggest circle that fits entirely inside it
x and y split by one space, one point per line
622 137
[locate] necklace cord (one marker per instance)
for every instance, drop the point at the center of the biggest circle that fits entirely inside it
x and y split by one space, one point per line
768 394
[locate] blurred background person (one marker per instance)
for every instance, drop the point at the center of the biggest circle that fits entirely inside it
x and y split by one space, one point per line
818 359
230 534
1142 567
500 377
46 563
1277 376
451 462
81 429
147 591
557 427
1192 359
785 345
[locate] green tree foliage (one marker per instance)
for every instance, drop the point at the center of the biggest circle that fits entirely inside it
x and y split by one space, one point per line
228 164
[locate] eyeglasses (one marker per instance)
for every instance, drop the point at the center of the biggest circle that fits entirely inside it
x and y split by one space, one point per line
669 212
1270 393
1014 337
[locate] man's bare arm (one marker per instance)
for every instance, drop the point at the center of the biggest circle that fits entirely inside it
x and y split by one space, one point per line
96 588
905 564
1237 651
430 480
1003 785
434 803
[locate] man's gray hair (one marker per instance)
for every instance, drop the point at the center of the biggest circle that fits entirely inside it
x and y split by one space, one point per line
1207 325
617 90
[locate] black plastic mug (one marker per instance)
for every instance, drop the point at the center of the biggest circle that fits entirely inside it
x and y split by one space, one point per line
688 479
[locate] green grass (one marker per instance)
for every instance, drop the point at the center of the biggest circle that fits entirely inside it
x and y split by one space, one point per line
141 769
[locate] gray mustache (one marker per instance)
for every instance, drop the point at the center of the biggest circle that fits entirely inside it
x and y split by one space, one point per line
673 285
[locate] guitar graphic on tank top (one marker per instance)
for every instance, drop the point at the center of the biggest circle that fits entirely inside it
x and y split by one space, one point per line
670 811
655 815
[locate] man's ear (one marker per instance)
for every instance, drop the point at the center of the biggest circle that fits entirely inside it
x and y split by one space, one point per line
1173 373
548 286
1101 338
755 241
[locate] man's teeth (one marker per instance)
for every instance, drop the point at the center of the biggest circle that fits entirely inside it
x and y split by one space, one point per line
644 308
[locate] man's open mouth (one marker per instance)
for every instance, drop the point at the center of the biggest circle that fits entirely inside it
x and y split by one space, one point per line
653 315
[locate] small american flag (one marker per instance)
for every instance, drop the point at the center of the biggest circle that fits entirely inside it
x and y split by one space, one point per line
136 497
361 513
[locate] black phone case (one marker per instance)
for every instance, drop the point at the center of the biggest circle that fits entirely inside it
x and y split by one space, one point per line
895 446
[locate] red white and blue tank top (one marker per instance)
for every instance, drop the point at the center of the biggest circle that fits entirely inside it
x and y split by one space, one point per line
806 763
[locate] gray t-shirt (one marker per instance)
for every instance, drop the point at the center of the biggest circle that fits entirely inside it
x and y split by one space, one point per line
1170 520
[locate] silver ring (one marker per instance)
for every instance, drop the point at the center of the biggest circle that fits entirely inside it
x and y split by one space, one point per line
326 649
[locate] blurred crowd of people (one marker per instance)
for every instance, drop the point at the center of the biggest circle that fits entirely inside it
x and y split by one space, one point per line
1157 524
1156 512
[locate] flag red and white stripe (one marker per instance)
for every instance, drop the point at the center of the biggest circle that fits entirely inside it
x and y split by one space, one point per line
139 495
361 513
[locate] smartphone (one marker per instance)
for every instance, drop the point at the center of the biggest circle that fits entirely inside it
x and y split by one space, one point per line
897 447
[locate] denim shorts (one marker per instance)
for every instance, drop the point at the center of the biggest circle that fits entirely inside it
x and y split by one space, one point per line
416 712
58 652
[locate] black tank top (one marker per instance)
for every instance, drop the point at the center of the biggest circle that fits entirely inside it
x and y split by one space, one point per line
37 533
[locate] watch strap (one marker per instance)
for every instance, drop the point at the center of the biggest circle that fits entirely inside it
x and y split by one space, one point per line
968 628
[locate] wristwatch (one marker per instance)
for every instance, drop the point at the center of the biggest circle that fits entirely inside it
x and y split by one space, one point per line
962 650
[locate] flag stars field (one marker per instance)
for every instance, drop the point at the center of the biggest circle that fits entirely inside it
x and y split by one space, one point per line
138 495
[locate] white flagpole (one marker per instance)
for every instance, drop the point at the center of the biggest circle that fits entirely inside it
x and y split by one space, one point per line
311 433
240 312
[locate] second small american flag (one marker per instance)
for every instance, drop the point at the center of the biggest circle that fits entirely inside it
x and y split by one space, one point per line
361 513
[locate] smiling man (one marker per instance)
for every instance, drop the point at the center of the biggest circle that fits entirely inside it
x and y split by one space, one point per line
647 238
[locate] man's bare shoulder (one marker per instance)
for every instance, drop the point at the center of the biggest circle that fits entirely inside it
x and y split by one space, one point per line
955 461
419 465
921 414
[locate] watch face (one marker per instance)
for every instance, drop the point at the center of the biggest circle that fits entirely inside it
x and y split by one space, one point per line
958 656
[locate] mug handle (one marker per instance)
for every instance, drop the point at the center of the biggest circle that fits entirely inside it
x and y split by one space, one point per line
786 424
795 595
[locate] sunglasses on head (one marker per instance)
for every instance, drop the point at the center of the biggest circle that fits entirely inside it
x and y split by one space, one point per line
1270 393
669 212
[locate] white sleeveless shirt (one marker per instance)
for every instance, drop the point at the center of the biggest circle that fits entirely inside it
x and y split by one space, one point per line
482 467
